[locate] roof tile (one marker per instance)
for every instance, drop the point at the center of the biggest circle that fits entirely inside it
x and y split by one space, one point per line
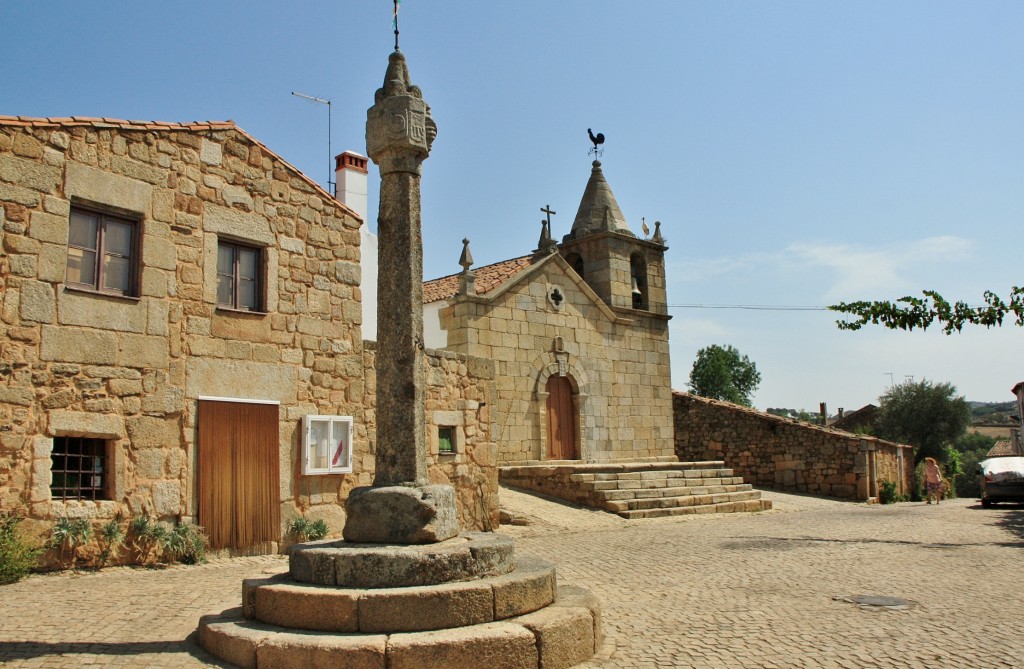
488 278
1004 448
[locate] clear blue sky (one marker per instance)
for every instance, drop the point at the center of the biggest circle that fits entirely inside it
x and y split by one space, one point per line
797 153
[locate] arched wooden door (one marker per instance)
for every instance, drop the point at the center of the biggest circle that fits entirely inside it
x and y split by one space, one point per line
561 420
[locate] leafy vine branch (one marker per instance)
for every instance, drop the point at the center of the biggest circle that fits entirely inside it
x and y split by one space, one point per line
908 313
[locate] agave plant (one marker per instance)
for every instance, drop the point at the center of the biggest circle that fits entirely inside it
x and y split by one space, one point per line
147 536
111 536
70 534
186 543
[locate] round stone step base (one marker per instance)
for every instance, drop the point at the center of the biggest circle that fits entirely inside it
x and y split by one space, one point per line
469 556
286 603
558 636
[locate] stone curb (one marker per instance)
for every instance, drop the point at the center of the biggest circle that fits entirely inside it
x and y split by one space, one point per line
555 637
469 556
306 606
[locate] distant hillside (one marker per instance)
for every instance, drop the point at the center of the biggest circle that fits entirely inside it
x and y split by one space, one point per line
993 412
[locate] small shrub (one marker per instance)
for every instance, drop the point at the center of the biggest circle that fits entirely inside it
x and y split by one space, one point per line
110 538
304 529
317 530
887 493
70 534
147 536
17 554
953 471
917 491
186 543
969 485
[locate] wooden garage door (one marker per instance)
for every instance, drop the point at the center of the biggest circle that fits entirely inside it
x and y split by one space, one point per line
238 464
561 420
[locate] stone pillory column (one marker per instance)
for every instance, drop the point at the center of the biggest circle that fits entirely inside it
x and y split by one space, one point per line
442 599
400 507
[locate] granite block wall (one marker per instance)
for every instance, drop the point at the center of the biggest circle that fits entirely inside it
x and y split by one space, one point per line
781 453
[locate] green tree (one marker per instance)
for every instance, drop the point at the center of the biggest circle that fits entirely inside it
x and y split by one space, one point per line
722 373
925 415
974 441
909 313
796 414
974 448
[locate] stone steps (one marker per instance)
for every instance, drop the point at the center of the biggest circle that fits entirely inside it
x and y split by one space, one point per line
648 489
725 507
558 636
634 504
618 506
682 491
284 602
654 484
463 603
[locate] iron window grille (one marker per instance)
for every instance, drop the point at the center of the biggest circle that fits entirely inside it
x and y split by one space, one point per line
78 466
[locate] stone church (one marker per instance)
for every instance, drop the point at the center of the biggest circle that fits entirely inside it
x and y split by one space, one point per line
578 331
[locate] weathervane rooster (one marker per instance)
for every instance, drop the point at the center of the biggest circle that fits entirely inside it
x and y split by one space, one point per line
597 139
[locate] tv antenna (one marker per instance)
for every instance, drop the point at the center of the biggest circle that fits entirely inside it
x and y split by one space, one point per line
332 187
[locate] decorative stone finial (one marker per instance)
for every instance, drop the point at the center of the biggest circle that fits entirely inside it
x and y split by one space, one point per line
466 259
657 238
546 244
399 128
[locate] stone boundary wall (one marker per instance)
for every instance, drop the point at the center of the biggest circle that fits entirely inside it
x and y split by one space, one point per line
459 394
781 453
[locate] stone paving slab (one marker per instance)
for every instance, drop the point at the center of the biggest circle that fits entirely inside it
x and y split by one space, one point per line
721 590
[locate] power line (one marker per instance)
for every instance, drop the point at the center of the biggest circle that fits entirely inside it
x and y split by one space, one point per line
749 307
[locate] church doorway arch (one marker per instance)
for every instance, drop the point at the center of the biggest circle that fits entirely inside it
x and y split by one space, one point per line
562 420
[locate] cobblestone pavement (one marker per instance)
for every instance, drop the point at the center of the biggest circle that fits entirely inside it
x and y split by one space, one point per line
729 590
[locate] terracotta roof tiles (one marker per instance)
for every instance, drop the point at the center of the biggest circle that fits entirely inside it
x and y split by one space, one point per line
1004 448
488 278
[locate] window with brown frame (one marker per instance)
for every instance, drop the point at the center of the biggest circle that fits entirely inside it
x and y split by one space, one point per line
238 276
102 252
78 467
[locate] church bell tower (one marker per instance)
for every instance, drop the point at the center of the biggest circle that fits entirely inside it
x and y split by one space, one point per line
627 272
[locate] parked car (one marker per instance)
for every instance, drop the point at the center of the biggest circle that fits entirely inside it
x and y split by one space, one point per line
1002 480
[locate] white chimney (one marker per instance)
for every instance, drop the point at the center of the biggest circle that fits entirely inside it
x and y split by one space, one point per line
350 174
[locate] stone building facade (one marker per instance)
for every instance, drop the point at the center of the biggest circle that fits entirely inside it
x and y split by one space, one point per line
154 275
781 453
578 331
461 447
